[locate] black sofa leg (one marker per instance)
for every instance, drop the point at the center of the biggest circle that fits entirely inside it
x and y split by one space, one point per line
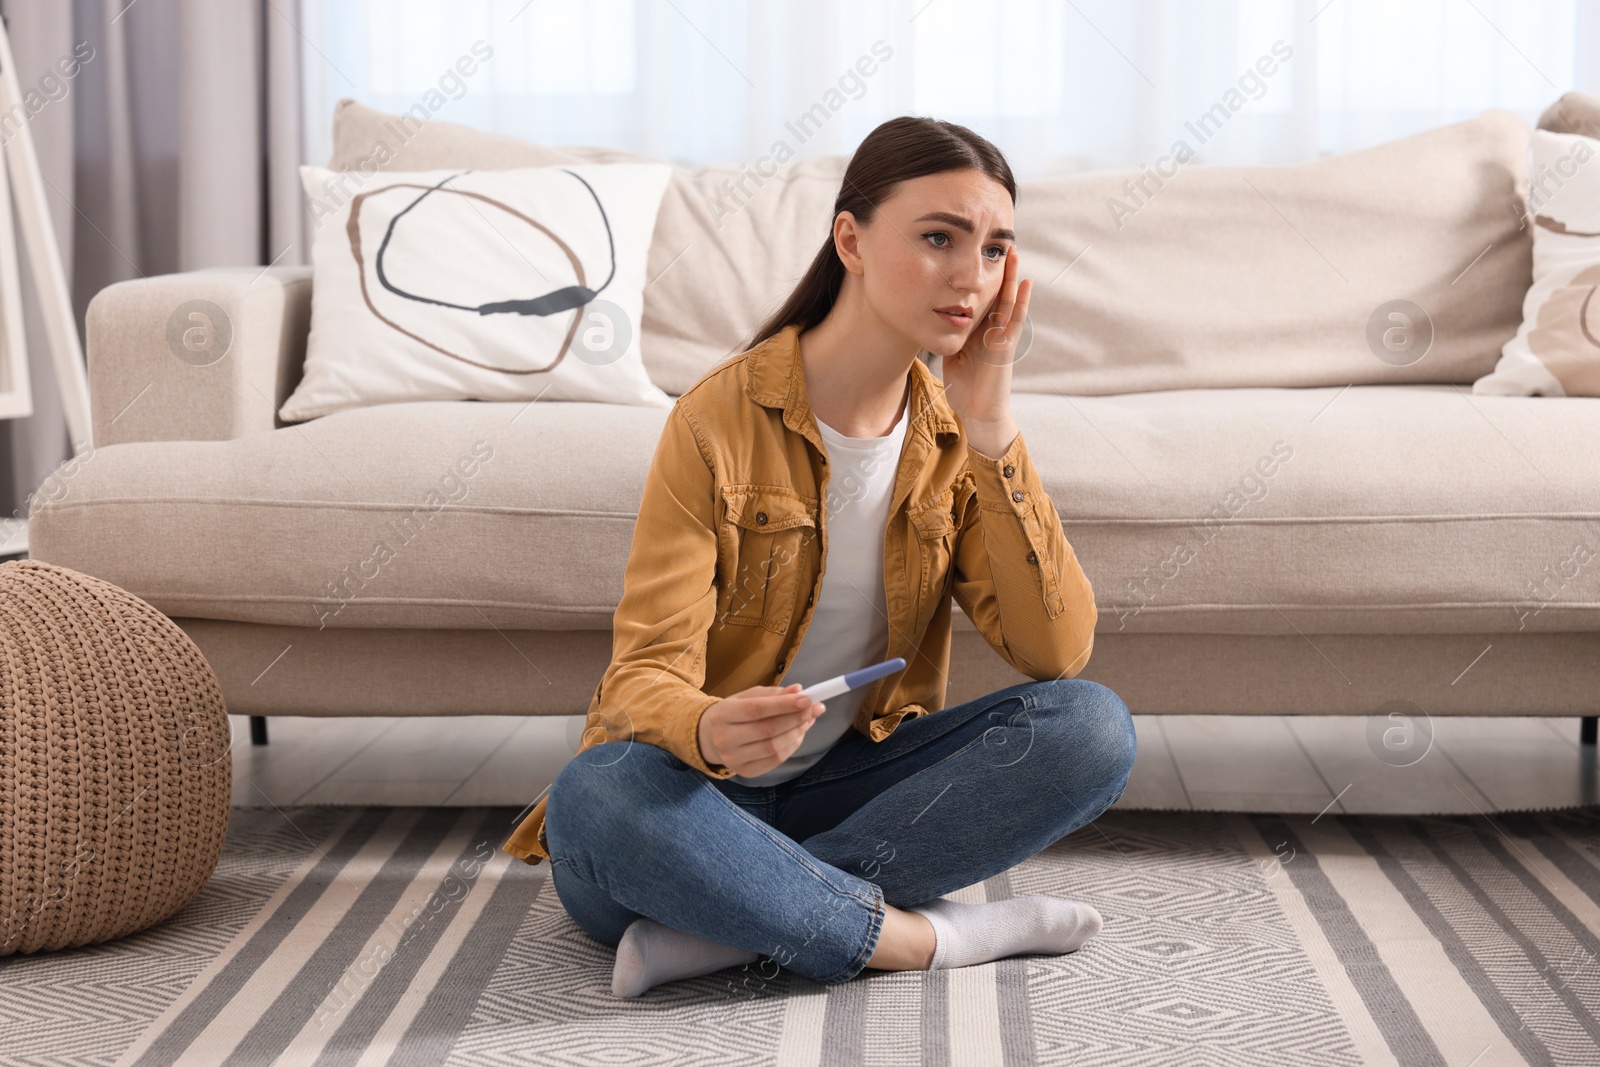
258 729
1586 732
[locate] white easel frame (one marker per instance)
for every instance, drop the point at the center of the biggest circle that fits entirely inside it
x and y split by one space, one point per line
22 184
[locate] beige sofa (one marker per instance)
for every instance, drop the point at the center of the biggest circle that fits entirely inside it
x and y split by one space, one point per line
1276 517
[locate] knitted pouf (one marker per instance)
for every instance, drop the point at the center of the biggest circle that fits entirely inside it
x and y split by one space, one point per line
116 768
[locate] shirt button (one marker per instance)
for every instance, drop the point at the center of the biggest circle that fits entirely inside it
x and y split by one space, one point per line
781 664
761 518
1033 557
1010 470
810 599
1016 494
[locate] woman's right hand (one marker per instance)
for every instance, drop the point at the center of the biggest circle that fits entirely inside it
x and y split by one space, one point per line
754 730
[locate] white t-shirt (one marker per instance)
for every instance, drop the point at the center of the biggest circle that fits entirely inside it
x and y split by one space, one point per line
850 627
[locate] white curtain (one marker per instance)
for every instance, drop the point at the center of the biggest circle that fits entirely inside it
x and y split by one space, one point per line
1057 84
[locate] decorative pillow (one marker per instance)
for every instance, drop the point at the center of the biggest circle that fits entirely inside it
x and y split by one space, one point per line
731 239
1556 351
462 284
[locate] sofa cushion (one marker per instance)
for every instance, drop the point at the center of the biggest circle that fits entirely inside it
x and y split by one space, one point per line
1176 275
1366 509
1184 275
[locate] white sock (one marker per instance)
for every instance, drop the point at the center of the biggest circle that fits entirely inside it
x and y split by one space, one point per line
651 953
970 934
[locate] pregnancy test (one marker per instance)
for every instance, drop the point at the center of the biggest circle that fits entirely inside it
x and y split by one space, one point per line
854 680
819 692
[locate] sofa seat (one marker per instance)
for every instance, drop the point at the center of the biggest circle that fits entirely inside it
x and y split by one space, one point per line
1360 509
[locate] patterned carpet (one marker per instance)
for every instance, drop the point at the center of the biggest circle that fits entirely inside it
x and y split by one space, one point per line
359 936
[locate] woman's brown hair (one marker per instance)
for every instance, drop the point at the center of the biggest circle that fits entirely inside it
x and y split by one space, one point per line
901 148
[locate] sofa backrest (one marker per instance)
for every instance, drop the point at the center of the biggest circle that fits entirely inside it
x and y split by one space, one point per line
1174 275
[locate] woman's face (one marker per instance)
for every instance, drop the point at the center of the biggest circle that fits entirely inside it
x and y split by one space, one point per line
939 241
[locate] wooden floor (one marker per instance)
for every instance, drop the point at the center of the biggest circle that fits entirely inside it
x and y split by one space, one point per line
1195 762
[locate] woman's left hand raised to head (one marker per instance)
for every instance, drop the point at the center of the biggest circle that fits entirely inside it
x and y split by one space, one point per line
977 379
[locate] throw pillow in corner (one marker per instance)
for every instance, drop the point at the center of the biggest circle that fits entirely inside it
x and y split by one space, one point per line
1556 350
463 284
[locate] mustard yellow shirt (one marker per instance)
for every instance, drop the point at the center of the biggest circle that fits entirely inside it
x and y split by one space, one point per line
729 550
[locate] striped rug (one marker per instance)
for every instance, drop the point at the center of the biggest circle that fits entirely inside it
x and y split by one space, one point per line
363 936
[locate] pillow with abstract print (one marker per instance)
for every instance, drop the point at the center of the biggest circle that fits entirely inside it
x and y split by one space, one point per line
1556 350
459 284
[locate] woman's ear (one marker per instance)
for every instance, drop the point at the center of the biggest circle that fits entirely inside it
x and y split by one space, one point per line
847 241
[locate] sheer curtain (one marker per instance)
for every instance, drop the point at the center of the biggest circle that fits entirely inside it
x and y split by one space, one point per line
1058 84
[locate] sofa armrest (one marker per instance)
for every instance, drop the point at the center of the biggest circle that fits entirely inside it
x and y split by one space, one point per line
202 355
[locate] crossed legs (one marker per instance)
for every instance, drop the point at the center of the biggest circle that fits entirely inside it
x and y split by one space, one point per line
869 833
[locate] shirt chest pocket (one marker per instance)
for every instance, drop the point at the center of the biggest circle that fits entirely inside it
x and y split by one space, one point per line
937 523
766 537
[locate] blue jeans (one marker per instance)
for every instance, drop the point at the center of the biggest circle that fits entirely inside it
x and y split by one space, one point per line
800 871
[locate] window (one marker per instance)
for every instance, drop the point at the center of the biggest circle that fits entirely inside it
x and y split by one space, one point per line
1093 83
